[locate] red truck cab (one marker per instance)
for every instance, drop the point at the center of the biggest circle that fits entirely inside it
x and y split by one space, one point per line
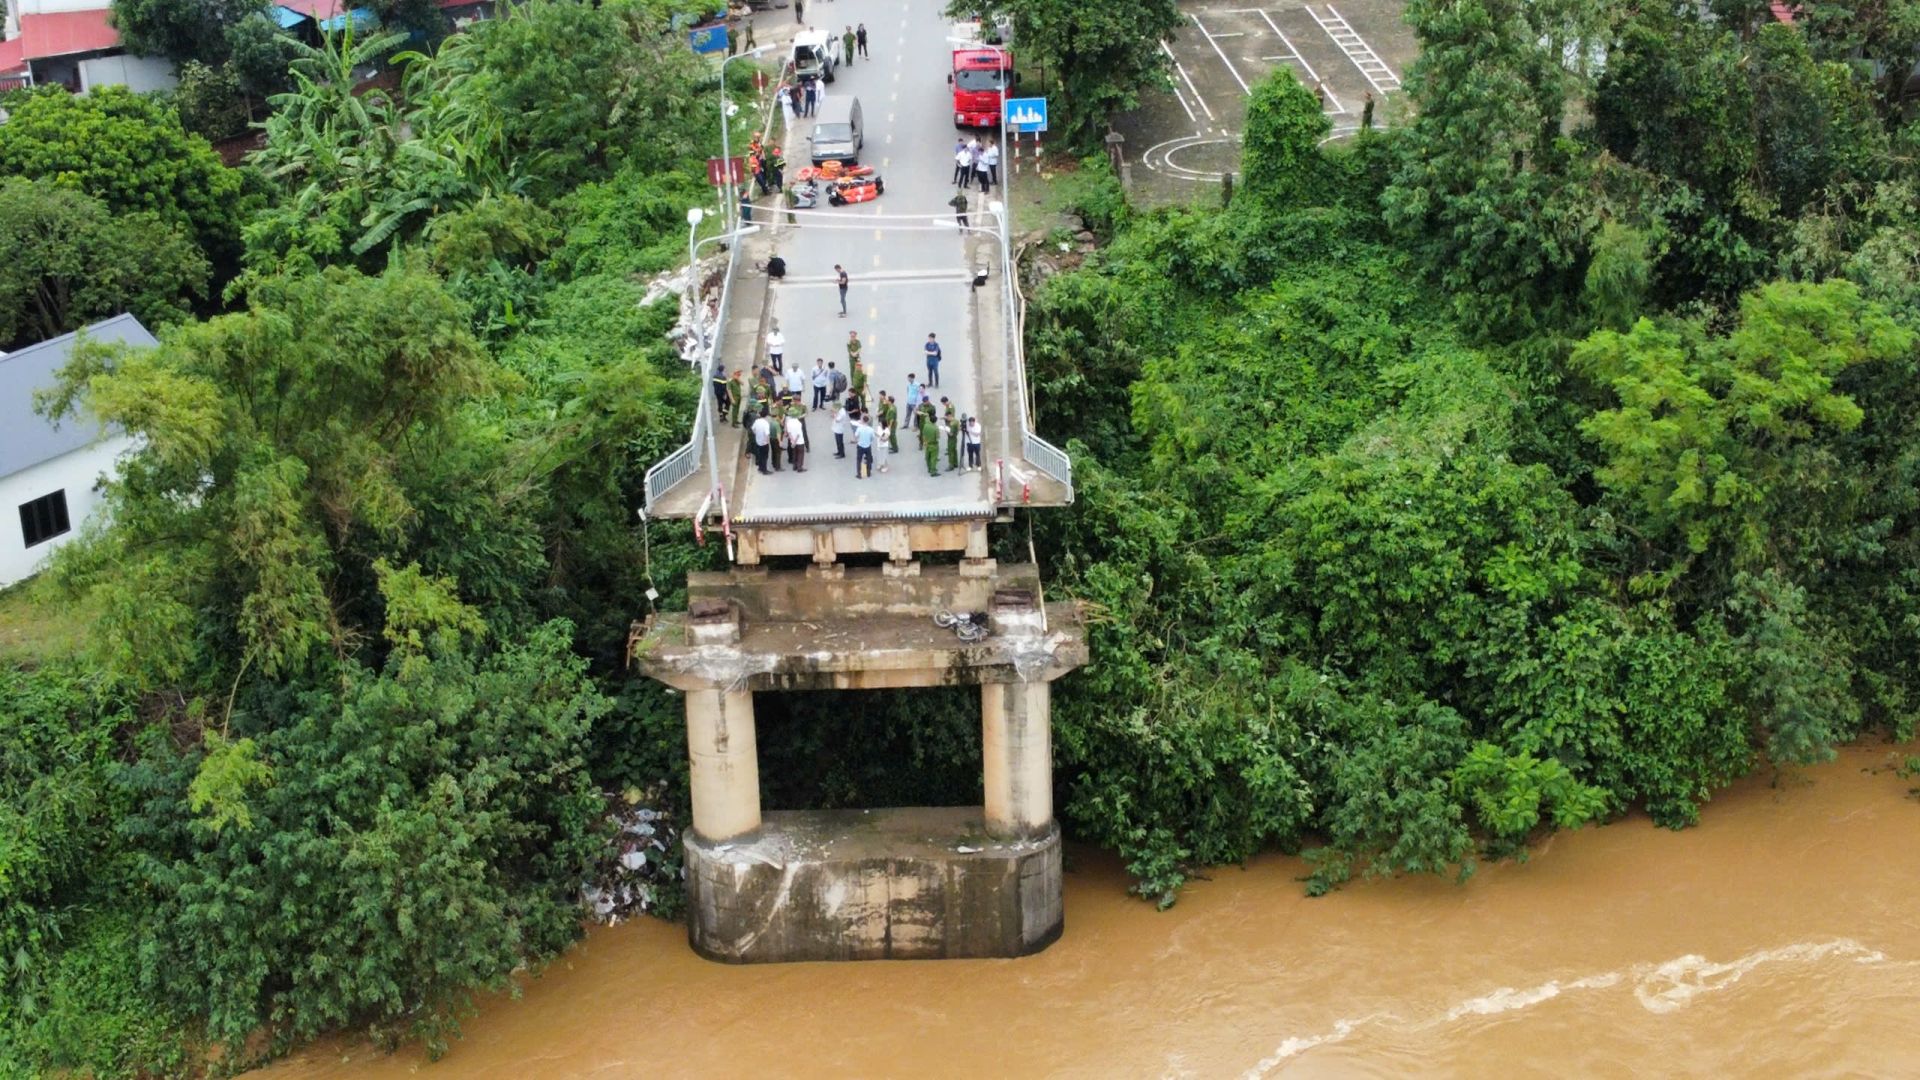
980 77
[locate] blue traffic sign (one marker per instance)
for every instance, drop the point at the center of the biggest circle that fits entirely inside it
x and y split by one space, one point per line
1027 114
708 39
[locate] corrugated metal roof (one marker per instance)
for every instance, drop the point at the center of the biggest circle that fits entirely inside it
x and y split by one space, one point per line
64 33
26 437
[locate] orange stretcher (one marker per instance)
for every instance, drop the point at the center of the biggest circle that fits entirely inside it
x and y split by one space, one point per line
855 190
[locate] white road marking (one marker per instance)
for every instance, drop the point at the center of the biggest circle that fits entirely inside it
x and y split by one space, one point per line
1182 99
1338 109
1188 79
1218 51
1374 69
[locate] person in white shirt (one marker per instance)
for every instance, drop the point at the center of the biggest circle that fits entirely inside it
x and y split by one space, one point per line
840 431
797 383
962 165
880 440
820 383
776 347
992 157
973 434
797 443
762 436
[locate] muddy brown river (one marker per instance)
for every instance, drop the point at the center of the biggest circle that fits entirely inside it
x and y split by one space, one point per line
1780 937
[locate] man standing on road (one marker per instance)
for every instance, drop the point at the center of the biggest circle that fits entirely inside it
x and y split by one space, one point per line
776 346
951 425
930 438
797 383
913 401
722 389
889 421
980 168
933 362
962 165
847 39
862 450
841 273
820 383
737 390
959 204
853 350
991 155
840 419
797 443
799 11
762 434
836 382
860 36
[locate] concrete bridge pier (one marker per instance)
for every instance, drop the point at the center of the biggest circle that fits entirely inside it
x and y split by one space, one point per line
1016 722
723 763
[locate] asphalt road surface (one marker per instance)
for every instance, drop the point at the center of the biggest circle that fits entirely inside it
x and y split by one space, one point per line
907 262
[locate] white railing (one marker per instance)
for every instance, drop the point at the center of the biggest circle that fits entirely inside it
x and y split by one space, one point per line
1051 460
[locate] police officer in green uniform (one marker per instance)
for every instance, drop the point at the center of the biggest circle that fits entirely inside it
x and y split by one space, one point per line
888 417
738 388
953 433
930 438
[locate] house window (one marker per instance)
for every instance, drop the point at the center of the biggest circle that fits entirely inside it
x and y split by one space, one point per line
44 518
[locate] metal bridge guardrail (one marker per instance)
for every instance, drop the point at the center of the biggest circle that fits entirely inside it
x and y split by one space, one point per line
858 517
1050 459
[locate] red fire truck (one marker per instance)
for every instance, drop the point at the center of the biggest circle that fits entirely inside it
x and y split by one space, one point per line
981 76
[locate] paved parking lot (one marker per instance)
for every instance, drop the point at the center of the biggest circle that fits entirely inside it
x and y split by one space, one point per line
1180 142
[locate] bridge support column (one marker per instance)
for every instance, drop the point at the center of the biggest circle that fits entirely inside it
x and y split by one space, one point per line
725 763
1016 721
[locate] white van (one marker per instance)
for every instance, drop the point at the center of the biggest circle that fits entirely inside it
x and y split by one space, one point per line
815 55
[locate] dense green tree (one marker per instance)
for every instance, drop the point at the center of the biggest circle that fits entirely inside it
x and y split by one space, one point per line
1487 189
1281 161
1099 56
71 262
258 54
277 465
181 30
1711 434
424 830
130 152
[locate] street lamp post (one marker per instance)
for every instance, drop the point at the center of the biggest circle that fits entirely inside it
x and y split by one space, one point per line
726 118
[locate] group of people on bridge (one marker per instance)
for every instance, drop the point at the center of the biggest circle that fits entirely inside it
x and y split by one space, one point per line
773 406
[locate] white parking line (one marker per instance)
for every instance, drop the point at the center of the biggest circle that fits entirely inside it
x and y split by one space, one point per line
1244 88
1338 108
1182 99
1188 79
